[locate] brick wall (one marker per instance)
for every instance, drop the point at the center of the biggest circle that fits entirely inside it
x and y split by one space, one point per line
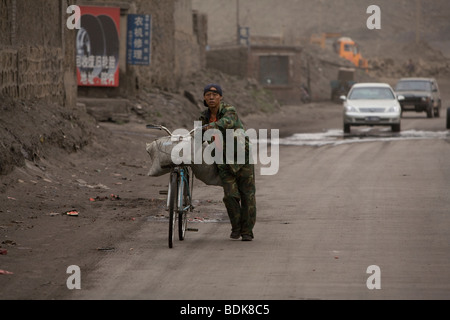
9 73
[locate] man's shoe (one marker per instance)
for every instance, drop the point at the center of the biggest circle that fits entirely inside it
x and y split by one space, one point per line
235 235
247 237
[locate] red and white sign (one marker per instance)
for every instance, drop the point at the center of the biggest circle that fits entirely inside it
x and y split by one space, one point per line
98 47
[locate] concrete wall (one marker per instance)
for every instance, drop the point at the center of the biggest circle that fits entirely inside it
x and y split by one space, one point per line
178 48
230 60
189 47
36 59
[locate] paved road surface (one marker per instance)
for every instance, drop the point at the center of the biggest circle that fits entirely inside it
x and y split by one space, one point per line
329 214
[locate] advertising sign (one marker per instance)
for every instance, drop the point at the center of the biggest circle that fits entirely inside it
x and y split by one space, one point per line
98 47
138 39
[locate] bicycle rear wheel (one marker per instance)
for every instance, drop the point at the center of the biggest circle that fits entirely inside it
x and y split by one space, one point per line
173 207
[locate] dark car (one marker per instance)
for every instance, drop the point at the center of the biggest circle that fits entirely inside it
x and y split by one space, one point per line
421 95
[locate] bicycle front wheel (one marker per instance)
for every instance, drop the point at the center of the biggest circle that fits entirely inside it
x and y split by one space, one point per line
173 207
182 213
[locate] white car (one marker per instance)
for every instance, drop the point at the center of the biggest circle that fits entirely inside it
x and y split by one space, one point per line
372 104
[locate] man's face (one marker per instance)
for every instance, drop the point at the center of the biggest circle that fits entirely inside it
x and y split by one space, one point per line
213 98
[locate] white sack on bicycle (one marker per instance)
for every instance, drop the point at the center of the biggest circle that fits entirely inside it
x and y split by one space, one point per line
160 152
161 160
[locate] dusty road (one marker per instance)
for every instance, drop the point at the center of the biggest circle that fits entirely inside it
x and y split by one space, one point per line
329 214
336 207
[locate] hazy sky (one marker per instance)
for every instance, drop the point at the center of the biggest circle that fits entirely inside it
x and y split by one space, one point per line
301 18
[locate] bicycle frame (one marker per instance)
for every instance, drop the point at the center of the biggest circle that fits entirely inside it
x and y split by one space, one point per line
181 170
185 179
179 178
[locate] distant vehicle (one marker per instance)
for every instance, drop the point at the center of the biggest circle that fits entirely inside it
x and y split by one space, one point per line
348 49
341 86
372 104
421 95
448 118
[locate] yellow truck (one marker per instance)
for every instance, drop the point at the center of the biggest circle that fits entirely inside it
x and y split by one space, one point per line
348 49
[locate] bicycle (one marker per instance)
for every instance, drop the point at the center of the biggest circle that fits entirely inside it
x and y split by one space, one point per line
179 194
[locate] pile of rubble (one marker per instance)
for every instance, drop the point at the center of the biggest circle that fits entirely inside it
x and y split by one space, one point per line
426 62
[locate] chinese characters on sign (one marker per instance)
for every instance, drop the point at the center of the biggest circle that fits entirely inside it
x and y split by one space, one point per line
89 78
138 39
98 47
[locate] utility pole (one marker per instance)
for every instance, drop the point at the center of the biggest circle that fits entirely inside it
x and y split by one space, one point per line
238 25
418 19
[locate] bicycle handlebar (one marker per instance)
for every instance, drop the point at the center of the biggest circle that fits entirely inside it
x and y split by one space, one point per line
159 127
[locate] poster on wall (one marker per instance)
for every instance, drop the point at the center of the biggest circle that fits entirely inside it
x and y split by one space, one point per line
98 47
138 39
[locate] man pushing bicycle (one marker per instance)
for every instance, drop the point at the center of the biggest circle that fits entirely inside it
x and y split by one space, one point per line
237 175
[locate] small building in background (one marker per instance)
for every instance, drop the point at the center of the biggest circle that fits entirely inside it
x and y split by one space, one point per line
276 67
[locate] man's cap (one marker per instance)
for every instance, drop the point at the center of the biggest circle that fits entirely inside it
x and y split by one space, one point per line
213 88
